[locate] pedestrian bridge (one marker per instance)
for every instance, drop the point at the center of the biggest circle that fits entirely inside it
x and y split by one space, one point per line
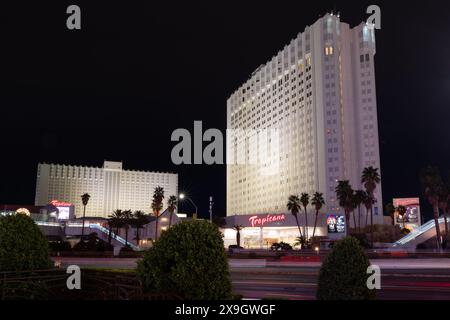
420 235
74 229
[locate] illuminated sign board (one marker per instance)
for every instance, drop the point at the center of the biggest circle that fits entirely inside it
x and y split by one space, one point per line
259 221
412 215
64 213
57 203
64 209
335 223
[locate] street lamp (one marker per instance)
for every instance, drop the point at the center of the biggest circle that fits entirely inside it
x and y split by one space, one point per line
182 196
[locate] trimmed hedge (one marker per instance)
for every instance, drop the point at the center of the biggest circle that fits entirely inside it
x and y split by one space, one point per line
343 275
22 244
188 260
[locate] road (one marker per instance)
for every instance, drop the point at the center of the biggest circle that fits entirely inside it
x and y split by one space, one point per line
408 279
299 283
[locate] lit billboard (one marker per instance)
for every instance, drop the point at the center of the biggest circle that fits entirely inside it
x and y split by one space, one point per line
335 223
65 209
412 216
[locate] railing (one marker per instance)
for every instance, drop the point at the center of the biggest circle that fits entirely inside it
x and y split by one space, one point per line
114 236
92 226
419 231
95 285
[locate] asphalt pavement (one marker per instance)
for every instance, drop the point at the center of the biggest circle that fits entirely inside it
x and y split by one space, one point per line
401 279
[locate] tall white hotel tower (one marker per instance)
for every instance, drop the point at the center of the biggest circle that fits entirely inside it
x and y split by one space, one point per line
319 91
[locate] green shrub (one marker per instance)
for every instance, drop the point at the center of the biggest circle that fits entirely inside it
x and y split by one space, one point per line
22 244
59 245
343 275
188 260
363 239
384 233
93 243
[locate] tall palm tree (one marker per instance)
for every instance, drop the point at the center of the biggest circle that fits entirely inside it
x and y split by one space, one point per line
359 198
157 205
85 200
368 203
293 206
390 209
401 211
370 178
140 220
304 200
432 184
238 229
443 203
354 207
317 201
127 217
447 208
171 206
344 194
110 227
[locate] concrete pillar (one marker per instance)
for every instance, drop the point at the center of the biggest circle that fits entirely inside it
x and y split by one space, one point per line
261 238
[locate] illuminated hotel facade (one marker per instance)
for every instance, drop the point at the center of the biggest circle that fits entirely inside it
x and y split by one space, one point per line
319 92
110 187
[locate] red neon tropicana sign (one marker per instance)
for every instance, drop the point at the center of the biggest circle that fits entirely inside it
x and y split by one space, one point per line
57 203
256 221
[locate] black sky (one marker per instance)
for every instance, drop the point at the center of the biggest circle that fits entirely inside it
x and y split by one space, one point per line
135 72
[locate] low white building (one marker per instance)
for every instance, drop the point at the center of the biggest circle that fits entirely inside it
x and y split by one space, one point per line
110 187
260 231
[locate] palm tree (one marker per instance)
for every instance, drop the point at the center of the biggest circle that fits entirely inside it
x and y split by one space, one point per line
370 178
359 198
157 205
300 241
354 206
238 229
390 209
171 206
432 183
447 211
116 218
317 201
127 216
110 226
344 194
293 206
443 203
85 200
304 200
401 211
140 220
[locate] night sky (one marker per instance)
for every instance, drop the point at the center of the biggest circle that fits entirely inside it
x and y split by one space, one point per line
117 88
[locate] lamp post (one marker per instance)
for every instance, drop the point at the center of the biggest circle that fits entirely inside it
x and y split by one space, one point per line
182 196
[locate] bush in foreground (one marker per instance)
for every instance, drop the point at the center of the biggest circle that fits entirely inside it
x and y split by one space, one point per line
22 244
188 260
343 275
